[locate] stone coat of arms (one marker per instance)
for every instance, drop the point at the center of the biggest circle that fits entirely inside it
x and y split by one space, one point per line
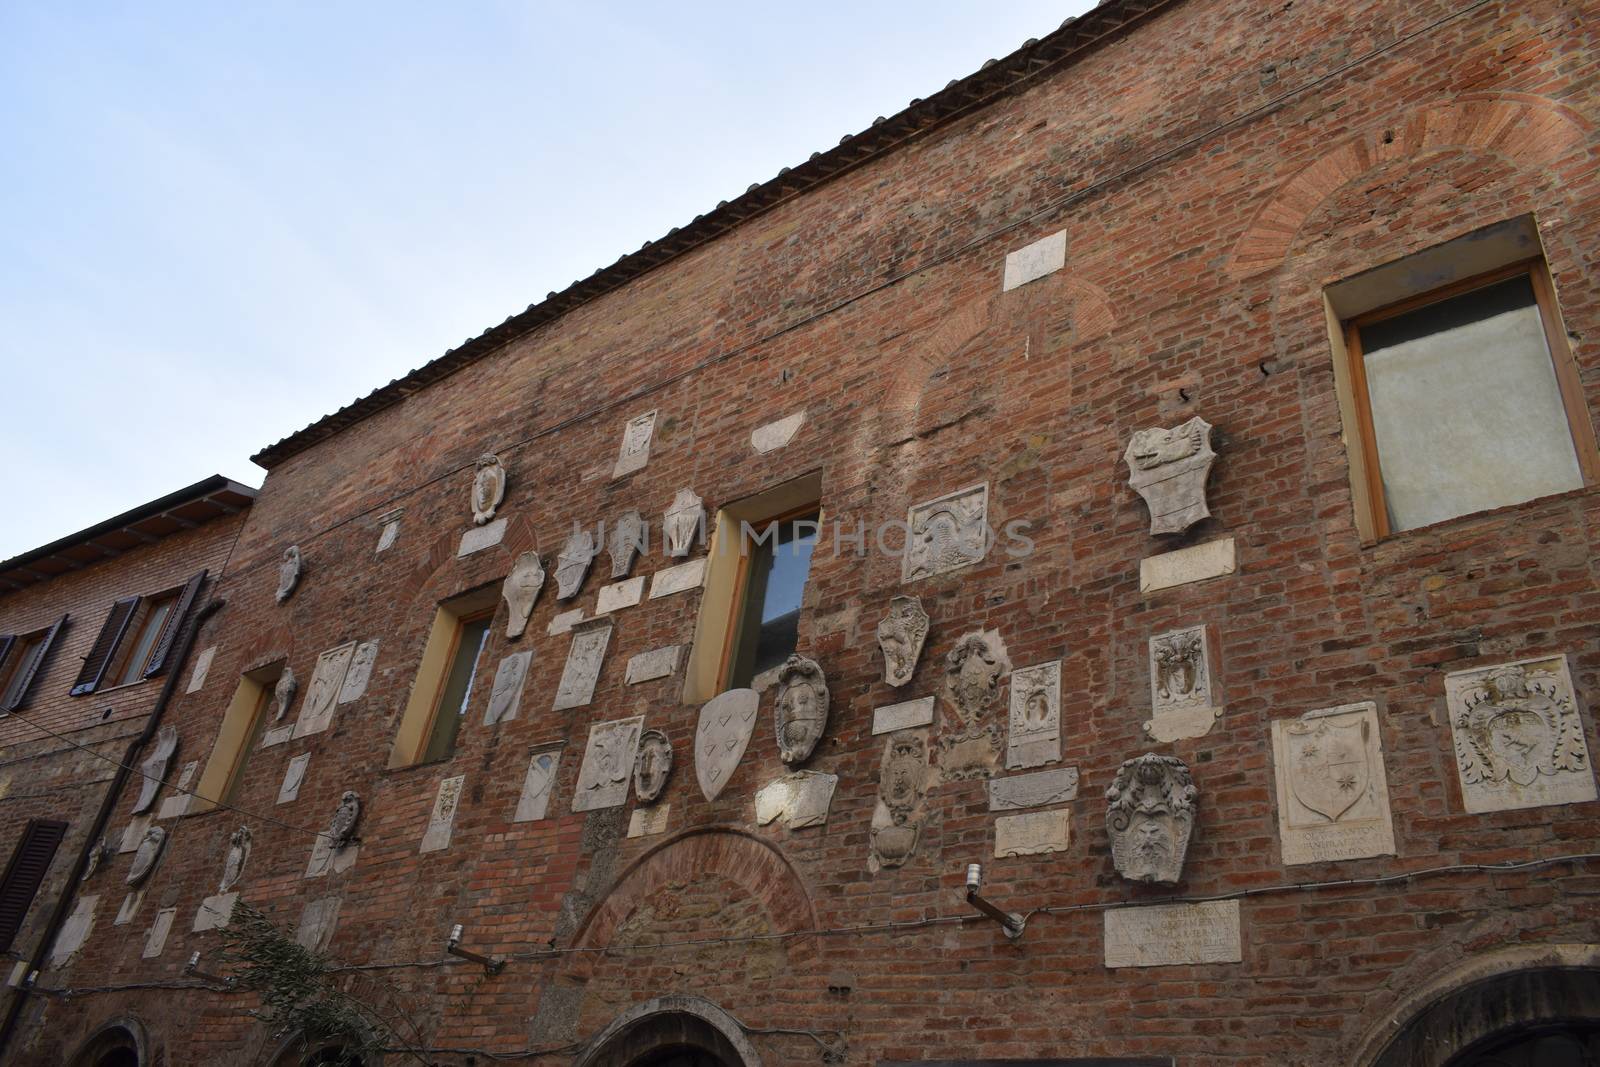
723 733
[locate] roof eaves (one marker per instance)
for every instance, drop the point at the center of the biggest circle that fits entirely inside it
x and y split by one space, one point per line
884 135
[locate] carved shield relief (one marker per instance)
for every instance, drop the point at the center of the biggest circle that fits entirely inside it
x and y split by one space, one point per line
723 733
1331 771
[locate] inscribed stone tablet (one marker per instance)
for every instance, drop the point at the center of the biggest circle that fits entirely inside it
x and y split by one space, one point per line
1164 934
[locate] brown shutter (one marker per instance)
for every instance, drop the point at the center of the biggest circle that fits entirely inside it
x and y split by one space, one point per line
105 646
16 694
6 641
174 624
24 874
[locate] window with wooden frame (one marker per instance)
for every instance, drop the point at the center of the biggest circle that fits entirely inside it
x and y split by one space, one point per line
1462 398
756 572
22 656
238 735
25 873
137 639
443 686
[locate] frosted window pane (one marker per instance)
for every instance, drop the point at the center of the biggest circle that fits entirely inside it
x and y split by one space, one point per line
1465 407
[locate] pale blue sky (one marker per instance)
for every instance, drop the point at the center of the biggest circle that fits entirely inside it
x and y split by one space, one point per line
223 222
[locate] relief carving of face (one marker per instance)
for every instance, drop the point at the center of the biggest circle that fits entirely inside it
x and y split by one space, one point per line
903 782
1036 712
1151 848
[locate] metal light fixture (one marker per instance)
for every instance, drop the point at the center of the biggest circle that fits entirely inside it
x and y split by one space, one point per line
453 946
193 968
1009 921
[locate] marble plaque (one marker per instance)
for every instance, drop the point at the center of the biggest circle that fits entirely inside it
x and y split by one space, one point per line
636 437
564 622
1184 701
75 931
390 531
1036 790
509 680
153 768
1032 833
627 538
947 534
892 717
647 822
359 673
318 919
1518 736
1034 738
539 784
156 939
1034 261
134 833
481 537
607 764
1333 795
584 658
277 735
215 912
657 663
619 595
316 712
800 799
325 858
293 775
1164 934
774 435
721 735
130 907
202 667
1214 559
178 803
1168 468
679 579
443 819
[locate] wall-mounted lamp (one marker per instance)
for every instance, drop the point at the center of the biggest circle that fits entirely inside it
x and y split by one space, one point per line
1009 921
453 946
193 968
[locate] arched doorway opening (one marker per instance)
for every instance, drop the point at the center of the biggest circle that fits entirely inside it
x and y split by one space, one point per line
116 1044
1540 1017
676 1031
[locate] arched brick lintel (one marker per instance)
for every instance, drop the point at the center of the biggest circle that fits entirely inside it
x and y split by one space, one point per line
1532 131
749 862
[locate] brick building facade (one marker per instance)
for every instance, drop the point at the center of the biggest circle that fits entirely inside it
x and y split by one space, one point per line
1158 212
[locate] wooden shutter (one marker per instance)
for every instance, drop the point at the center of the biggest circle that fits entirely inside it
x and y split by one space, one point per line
98 660
16 694
174 625
6 642
25 873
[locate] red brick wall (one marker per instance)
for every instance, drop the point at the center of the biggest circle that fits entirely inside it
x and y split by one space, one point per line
1197 251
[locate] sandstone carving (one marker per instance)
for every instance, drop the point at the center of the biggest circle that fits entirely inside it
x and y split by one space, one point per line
233 863
521 590
441 822
902 785
327 679
1169 469
289 573
607 764
627 540
154 767
97 855
488 488
802 709
947 533
1184 701
1150 811
1034 738
1165 934
1333 795
359 673
539 783
969 741
506 695
283 694
1518 736
800 799
572 565
651 766
146 856
582 671
721 736
635 444
683 521
900 637
342 828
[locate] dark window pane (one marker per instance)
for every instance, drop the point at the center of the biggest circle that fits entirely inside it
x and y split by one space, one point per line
457 691
769 625
1465 406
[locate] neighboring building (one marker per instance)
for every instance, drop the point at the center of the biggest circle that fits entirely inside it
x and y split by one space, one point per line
92 631
1355 238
